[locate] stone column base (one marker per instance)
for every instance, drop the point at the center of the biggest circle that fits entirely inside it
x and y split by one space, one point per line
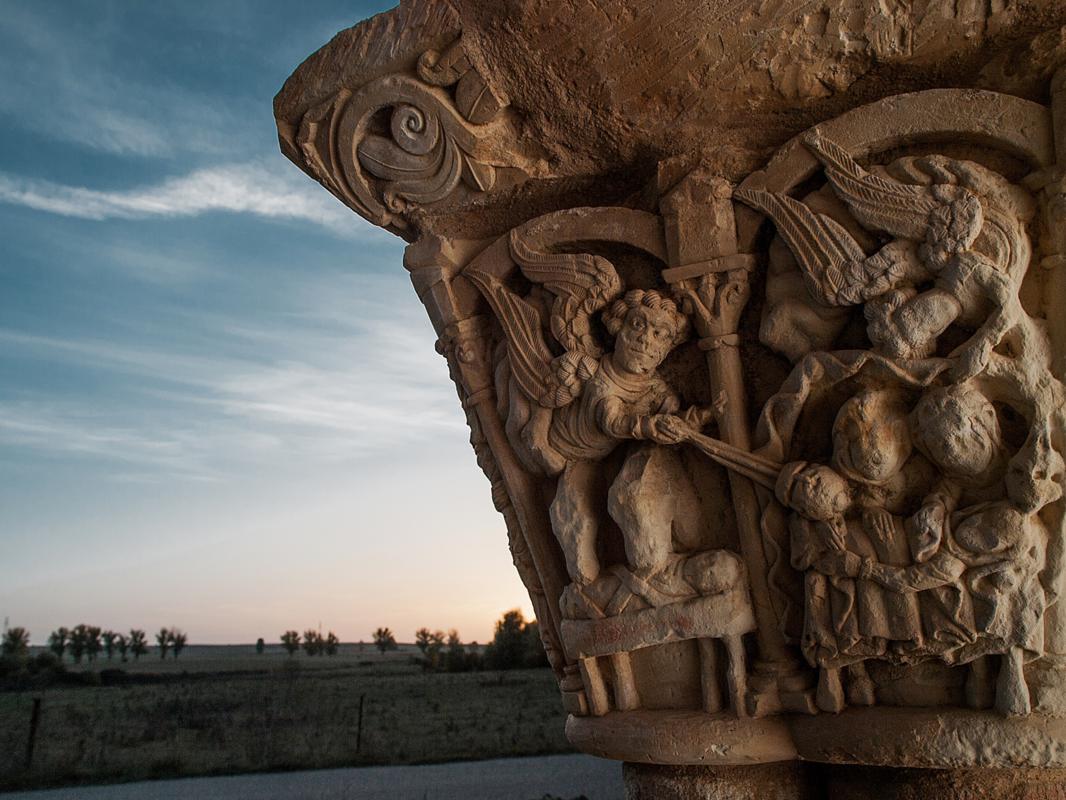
805 781
977 783
785 780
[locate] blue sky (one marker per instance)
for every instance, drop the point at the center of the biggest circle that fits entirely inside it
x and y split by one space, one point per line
220 406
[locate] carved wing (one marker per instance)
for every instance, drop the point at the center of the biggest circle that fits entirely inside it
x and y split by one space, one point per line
899 209
582 284
835 269
531 360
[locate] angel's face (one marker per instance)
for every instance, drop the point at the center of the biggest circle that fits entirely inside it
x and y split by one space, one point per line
646 338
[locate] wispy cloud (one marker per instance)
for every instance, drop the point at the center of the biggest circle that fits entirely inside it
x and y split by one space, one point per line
273 192
318 385
159 454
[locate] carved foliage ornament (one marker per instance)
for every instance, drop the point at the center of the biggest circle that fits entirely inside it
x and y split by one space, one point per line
404 142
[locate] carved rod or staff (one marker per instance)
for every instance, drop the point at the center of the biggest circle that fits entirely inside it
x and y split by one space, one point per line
753 467
706 270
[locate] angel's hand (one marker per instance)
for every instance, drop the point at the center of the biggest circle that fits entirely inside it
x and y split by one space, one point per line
697 417
721 401
668 429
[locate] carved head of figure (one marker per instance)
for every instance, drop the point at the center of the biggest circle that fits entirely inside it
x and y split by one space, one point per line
713 572
871 438
815 491
956 428
646 326
1034 475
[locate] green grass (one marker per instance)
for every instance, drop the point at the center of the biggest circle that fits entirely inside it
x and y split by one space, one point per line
231 711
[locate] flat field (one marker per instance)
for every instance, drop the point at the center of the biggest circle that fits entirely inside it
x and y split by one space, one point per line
227 709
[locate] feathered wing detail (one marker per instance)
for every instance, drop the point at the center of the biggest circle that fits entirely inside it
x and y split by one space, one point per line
836 270
582 284
881 204
528 352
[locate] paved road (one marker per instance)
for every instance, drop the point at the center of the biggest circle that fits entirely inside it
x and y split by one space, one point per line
565 777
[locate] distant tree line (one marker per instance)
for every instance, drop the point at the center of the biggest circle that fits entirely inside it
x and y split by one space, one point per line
87 642
515 644
312 641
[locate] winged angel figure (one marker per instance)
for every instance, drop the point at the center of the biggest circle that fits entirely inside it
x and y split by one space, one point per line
957 228
568 411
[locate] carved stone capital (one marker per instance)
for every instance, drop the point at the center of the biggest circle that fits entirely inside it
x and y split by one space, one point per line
762 357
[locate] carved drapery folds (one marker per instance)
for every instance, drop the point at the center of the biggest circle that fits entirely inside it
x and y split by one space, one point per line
779 457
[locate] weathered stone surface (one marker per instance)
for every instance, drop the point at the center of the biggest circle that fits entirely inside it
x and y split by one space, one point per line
756 313
781 781
871 783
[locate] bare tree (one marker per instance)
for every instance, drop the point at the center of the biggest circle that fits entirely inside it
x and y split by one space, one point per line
423 637
312 642
162 638
109 643
290 640
79 636
384 640
138 643
122 644
93 645
178 638
16 643
58 640
455 658
436 648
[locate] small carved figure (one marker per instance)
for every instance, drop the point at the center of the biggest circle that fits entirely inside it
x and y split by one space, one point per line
566 413
988 566
834 635
956 428
955 223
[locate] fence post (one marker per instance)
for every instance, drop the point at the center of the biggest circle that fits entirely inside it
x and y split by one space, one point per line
359 727
35 719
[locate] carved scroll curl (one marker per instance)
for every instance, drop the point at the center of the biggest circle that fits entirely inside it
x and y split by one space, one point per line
426 150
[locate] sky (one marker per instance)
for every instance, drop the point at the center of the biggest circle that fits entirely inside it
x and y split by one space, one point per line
220 404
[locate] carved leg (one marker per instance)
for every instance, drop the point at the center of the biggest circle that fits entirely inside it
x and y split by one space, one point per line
595 688
626 697
737 675
574 521
980 691
642 501
861 691
1012 692
830 694
712 692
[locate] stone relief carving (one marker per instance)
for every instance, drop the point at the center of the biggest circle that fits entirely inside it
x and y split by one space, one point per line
566 413
403 142
924 534
811 421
